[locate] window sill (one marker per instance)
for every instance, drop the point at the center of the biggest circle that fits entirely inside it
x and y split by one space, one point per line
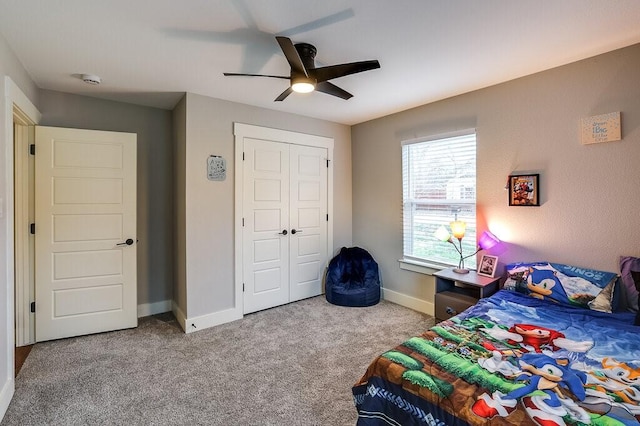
421 267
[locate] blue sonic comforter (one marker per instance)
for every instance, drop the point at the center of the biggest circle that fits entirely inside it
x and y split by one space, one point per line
510 359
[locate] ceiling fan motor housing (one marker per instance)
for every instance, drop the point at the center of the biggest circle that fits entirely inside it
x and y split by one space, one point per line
307 54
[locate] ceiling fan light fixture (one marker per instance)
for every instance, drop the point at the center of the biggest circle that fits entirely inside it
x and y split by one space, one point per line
305 77
303 85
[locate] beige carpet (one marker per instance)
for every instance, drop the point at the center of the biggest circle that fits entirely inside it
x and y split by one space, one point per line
291 365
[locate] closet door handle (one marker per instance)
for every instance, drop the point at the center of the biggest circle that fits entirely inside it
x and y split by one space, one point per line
294 231
284 232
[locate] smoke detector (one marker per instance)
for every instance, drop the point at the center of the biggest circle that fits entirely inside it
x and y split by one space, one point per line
94 80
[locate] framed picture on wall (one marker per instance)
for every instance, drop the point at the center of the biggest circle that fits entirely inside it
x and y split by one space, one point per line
487 266
524 190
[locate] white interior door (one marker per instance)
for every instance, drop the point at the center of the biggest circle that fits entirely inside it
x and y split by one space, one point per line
285 222
266 224
308 220
85 203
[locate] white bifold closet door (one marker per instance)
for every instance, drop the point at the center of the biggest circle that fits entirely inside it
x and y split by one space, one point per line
285 222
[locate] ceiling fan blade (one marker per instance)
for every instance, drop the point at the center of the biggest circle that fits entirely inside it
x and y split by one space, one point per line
332 89
292 55
234 74
335 71
284 94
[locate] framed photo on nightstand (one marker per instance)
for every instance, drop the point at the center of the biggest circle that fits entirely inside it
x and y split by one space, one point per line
488 265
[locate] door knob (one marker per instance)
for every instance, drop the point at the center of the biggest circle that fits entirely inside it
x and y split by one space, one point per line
284 232
126 243
294 231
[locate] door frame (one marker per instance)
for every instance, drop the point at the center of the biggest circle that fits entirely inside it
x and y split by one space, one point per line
241 131
16 102
24 241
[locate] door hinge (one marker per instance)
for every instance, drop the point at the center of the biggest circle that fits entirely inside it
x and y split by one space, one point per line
243 287
243 222
327 217
328 163
32 308
242 155
32 149
32 228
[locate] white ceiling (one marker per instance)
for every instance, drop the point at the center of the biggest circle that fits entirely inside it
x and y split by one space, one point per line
149 52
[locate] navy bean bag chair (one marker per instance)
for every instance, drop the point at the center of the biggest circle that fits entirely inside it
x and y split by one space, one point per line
353 278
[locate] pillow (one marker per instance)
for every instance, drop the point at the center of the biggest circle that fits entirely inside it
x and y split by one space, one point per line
636 278
604 300
629 288
563 284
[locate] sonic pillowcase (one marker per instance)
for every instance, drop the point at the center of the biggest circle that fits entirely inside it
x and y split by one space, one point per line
564 284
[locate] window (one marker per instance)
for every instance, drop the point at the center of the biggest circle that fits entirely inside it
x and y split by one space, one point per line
439 184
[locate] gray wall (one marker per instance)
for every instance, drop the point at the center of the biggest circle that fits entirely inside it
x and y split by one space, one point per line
155 176
208 279
589 212
11 66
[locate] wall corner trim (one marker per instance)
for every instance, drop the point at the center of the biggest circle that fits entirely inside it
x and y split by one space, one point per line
180 316
202 322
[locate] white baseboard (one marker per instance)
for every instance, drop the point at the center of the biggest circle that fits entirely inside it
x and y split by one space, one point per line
409 301
146 309
5 395
180 317
189 325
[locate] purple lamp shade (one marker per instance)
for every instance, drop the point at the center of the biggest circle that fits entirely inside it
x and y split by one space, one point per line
487 240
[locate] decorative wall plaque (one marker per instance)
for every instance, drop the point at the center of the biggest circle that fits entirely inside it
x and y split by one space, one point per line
601 128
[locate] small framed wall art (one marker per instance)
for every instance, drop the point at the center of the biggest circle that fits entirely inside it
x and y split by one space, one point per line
488 265
524 190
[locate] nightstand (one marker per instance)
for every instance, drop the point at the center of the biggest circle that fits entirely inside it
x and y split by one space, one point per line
456 292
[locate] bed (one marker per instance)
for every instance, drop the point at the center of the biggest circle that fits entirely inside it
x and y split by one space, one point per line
515 358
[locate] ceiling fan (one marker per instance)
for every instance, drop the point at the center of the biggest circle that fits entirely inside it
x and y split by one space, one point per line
305 77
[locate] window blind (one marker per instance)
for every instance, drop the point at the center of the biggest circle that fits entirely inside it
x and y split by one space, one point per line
439 184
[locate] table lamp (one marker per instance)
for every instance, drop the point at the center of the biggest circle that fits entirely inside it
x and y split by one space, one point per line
485 242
